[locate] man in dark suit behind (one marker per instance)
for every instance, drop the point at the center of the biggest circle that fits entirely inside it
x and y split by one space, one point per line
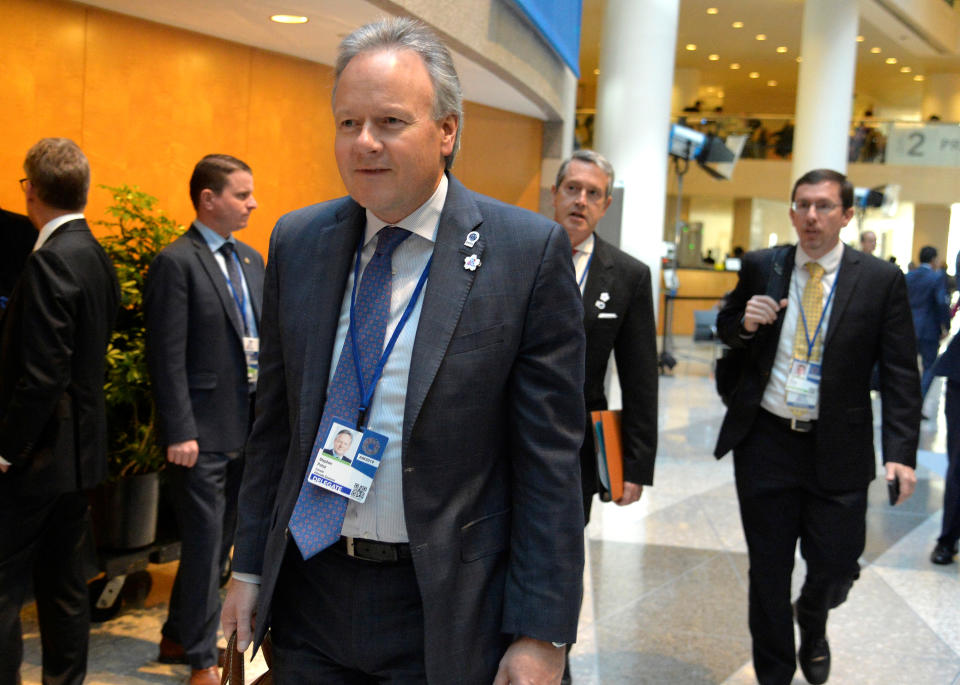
618 318
52 414
202 302
800 422
465 559
930 304
948 366
17 236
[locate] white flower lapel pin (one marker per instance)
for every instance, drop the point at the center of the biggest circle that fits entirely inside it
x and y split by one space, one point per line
471 263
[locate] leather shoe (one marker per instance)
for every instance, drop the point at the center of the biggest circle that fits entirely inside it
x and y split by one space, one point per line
172 653
814 658
943 554
205 676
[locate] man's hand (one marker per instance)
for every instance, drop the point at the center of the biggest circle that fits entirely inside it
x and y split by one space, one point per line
761 310
906 476
3 468
183 453
531 662
237 614
631 493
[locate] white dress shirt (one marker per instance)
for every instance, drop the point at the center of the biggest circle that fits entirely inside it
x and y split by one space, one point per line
775 394
581 261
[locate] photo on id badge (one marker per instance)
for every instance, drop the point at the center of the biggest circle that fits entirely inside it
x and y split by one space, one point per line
342 443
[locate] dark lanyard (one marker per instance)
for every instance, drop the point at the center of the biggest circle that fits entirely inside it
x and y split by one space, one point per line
366 393
240 299
803 317
583 276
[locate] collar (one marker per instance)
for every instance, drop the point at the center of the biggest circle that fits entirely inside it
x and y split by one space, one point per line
53 225
213 239
830 261
586 245
423 221
925 266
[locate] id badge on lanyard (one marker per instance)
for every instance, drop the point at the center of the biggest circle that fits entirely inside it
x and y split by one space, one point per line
346 460
803 378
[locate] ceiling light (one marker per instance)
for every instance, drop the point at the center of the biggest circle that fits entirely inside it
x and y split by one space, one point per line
782 49
799 59
754 74
719 93
713 58
711 89
761 36
596 72
918 77
737 24
875 50
288 19
735 66
859 39
771 83
712 10
691 46
891 60
905 70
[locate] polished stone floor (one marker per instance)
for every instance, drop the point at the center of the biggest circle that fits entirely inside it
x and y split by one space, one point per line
665 585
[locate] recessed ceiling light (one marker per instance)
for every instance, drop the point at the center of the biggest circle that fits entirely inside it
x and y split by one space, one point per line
799 59
712 10
596 72
905 70
859 39
737 24
691 46
711 89
761 36
719 93
891 60
782 49
288 19
918 77
754 74
875 50
771 83
713 58
735 65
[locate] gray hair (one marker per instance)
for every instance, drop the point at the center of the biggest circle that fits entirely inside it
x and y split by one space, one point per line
590 157
59 173
401 33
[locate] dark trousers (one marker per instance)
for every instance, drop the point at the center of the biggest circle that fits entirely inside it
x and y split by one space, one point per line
781 502
42 539
205 502
337 619
928 355
950 529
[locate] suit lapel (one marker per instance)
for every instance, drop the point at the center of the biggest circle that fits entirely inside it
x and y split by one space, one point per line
844 286
599 280
446 292
217 279
330 260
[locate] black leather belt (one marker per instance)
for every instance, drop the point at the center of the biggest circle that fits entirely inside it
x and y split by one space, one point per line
793 424
374 550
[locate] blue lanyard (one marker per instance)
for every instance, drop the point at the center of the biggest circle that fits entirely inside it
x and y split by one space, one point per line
366 393
240 299
583 276
803 317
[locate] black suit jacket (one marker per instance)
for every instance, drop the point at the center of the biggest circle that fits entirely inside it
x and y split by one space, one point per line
624 325
52 358
17 237
493 421
195 344
870 323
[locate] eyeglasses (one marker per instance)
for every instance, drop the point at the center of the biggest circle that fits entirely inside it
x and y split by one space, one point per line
574 190
23 182
821 207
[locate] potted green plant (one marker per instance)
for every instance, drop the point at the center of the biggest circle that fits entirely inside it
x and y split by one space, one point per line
138 230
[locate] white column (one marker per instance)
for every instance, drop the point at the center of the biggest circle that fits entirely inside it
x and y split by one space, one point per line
633 116
825 87
941 96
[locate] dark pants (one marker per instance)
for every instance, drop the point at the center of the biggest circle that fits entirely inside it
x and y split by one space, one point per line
782 502
950 529
337 619
43 539
205 502
927 349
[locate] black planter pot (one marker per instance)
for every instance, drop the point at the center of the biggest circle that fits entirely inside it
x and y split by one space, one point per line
125 512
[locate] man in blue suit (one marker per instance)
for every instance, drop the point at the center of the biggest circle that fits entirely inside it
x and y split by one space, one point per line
927 290
463 563
948 365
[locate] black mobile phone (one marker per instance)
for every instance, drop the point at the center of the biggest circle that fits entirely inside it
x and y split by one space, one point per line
893 490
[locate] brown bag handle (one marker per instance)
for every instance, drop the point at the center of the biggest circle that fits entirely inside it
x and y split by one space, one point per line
233 663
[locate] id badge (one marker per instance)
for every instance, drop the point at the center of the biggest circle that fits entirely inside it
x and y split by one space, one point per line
251 350
346 460
803 384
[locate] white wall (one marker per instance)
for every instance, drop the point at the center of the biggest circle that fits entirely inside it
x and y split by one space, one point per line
716 215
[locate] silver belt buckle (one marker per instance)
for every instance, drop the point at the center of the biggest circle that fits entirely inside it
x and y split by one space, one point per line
350 549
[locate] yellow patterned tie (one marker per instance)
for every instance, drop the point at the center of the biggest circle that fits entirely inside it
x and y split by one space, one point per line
812 309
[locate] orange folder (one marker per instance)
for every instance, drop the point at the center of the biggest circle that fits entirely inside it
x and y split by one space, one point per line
609 448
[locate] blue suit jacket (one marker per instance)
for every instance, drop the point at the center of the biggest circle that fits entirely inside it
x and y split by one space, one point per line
927 290
493 422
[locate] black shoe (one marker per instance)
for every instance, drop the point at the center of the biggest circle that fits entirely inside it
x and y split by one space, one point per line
814 658
566 680
943 554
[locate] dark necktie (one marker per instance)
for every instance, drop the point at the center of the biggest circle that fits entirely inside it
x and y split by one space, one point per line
236 282
318 515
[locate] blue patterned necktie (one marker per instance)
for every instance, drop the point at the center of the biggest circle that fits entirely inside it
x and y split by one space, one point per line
318 515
